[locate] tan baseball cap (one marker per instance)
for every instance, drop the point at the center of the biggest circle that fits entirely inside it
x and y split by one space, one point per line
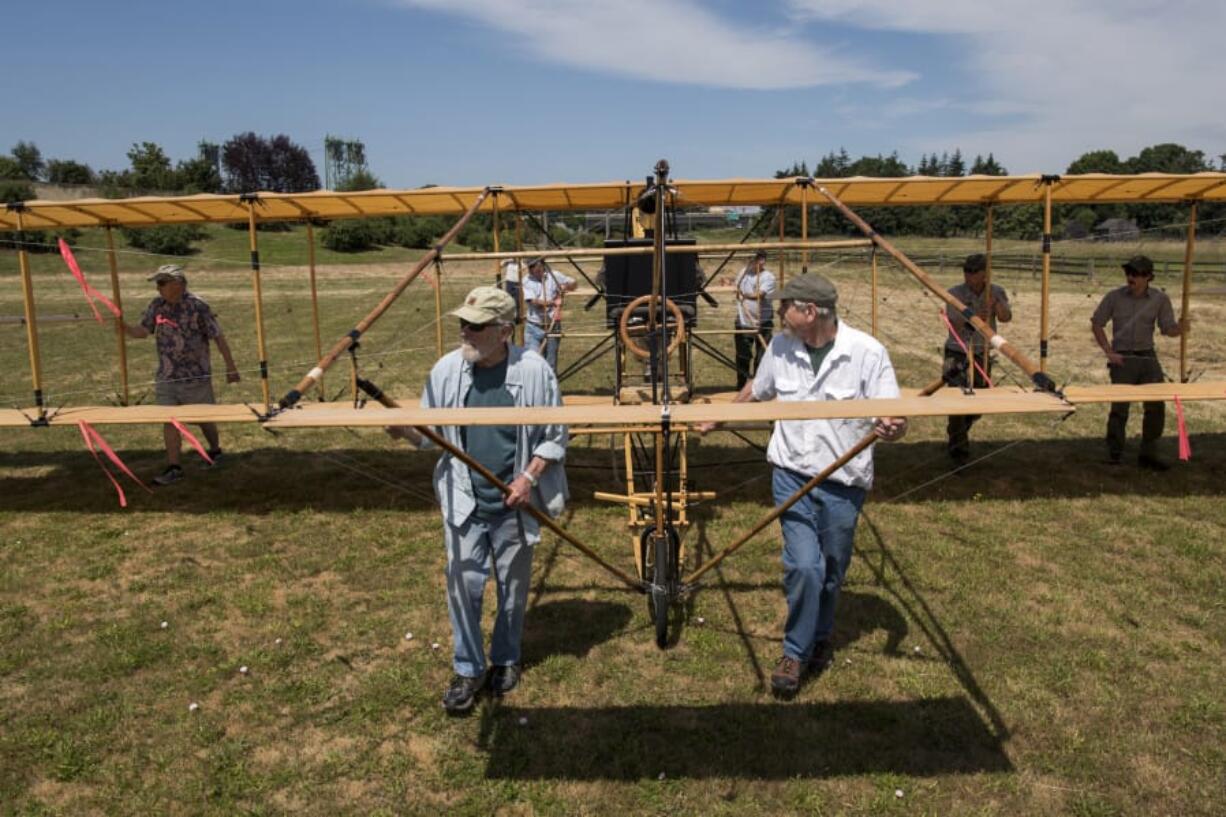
169 272
486 305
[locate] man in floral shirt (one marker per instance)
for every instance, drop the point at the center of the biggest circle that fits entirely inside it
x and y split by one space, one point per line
183 325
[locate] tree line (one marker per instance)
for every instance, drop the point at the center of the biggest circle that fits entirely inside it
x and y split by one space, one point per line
1022 221
244 163
249 162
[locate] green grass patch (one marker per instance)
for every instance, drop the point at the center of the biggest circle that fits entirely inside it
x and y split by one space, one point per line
1044 634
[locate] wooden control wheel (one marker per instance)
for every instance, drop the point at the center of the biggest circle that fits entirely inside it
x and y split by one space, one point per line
623 325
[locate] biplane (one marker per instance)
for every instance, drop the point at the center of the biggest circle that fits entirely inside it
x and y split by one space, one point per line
652 290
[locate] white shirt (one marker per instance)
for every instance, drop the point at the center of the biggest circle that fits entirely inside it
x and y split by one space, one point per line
546 289
857 367
510 270
749 314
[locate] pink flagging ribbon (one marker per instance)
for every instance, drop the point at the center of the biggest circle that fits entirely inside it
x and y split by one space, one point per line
974 358
162 319
87 289
429 278
187 435
1185 445
91 436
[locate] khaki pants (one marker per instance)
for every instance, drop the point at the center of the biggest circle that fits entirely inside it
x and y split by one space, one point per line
184 392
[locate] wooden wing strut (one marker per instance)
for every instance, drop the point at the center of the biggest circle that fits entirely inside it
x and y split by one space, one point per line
341 346
1039 378
540 516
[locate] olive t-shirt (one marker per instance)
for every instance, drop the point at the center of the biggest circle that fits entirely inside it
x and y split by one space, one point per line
492 446
817 354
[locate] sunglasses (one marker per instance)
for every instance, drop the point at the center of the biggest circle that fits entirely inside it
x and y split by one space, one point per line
474 327
1131 273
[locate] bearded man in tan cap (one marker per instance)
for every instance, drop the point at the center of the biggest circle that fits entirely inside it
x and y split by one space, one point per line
482 527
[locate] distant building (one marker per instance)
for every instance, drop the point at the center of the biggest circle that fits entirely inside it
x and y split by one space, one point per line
1117 229
1075 230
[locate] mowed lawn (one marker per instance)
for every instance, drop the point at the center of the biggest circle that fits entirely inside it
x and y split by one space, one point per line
1040 634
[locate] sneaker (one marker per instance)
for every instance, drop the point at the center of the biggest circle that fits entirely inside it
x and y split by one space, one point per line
172 474
822 658
503 679
785 680
215 456
1152 463
461 693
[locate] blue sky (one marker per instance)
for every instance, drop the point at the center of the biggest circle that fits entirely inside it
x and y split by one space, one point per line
537 91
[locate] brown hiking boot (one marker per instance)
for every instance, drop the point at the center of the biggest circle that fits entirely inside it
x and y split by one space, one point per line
785 680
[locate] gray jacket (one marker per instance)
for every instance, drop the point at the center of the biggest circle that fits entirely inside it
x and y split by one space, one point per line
531 382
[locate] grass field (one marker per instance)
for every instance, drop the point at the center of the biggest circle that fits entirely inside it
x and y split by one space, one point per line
1041 634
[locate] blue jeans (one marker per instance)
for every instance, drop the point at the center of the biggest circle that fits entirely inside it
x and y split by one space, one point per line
534 334
818 532
506 541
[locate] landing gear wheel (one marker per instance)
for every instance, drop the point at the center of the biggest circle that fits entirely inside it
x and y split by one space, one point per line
623 325
659 558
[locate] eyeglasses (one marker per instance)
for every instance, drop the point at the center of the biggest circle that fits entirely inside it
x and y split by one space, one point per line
474 327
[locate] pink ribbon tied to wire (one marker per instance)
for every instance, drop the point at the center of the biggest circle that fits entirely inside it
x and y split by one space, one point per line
93 438
95 443
187 435
1185 445
87 289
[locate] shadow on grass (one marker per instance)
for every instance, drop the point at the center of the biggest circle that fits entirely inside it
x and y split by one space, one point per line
889 574
570 627
936 736
278 478
860 614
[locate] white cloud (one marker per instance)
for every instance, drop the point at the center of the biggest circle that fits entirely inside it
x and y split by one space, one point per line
1076 74
669 40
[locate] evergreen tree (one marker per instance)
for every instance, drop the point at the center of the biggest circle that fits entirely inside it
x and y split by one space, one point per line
988 167
956 166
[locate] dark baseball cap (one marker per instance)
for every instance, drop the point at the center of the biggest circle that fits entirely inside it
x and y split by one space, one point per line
1139 264
978 262
810 287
